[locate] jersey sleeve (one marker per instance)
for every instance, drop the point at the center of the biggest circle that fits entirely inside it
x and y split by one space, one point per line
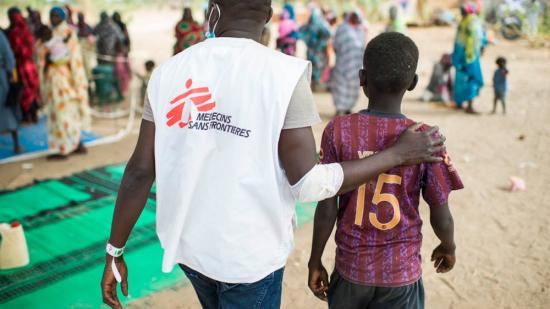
328 150
440 179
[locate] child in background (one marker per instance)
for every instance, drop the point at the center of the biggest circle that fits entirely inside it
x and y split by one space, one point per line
378 234
500 84
149 67
58 50
440 88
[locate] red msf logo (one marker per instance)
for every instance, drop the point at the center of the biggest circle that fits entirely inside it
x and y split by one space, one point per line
194 100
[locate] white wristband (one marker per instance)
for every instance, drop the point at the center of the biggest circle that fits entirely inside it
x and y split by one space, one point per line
114 251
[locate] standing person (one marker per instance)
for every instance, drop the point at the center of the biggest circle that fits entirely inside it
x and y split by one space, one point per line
219 115
379 228
396 22
349 45
122 68
65 91
107 34
117 19
500 84
22 44
288 34
440 88
316 34
466 59
187 32
9 113
86 40
34 21
289 7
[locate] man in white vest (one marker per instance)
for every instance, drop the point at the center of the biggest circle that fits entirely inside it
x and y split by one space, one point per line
226 134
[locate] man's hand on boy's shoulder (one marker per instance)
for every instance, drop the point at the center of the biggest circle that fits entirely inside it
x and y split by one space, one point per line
444 258
318 280
417 146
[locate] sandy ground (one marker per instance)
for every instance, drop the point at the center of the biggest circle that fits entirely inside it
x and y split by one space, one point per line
502 238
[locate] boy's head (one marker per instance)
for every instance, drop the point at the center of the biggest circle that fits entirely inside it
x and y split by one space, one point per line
501 62
149 65
45 33
389 65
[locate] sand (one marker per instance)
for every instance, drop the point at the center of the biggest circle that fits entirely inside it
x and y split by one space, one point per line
503 254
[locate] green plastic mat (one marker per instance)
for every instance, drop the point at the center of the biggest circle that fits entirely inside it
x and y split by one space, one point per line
66 223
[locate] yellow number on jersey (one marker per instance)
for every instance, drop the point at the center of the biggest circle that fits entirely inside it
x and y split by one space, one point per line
378 198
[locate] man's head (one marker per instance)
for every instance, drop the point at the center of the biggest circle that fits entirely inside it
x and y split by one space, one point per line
187 14
501 62
354 18
239 15
103 17
389 65
116 17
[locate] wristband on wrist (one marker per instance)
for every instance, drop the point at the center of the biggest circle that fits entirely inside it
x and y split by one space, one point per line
114 251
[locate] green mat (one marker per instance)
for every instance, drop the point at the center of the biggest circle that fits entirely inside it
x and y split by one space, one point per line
66 223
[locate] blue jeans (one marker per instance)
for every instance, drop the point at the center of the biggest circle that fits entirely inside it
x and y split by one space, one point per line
264 294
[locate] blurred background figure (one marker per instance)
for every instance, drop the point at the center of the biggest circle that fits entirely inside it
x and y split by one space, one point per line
117 19
122 69
22 43
288 34
107 34
533 12
87 43
349 46
316 34
9 111
466 58
65 91
34 20
149 67
187 32
290 9
440 88
396 20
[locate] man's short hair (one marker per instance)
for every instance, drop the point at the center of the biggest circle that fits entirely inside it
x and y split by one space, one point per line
390 61
245 8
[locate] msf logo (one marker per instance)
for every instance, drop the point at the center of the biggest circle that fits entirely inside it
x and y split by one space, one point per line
188 104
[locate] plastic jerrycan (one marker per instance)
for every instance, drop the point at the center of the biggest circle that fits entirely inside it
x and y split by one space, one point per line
13 246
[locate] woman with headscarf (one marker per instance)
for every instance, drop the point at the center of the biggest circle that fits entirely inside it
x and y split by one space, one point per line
8 112
117 19
187 32
107 34
466 58
349 46
288 34
316 34
22 44
65 91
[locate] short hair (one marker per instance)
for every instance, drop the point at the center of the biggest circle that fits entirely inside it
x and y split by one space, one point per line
245 8
501 61
390 62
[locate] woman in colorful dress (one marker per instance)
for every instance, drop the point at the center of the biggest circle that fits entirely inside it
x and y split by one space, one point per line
288 34
466 58
188 32
349 46
316 34
65 92
22 43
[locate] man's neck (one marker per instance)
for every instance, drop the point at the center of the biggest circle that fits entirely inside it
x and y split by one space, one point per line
244 30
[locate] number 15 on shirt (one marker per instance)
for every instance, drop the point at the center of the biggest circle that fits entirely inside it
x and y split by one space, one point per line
378 199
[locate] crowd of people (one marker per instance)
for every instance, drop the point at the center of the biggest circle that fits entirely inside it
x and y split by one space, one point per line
50 68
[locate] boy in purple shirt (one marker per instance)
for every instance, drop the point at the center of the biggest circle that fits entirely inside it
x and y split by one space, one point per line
378 234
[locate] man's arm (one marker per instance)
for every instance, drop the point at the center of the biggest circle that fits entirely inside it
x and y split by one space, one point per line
443 225
297 154
325 218
132 197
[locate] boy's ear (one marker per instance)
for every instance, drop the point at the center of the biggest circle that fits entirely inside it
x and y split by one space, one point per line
414 83
363 77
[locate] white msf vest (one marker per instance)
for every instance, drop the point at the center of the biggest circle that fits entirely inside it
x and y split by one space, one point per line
224 206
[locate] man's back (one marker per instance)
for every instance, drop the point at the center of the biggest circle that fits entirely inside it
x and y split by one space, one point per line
219 108
379 225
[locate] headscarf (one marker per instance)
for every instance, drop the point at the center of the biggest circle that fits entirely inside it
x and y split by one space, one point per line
446 60
59 11
287 25
20 37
